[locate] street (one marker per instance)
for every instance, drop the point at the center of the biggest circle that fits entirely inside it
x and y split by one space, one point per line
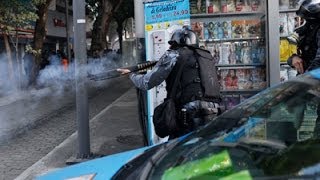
33 126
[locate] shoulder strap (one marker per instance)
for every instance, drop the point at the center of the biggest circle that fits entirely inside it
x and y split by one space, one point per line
175 83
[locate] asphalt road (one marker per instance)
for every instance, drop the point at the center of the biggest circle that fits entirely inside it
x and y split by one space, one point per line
32 126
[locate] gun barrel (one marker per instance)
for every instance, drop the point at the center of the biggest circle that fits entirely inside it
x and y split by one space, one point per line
113 73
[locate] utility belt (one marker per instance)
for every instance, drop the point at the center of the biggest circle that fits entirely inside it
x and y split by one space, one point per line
197 114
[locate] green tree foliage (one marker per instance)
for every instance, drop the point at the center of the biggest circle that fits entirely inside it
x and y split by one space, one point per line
103 12
15 15
123 13
42 7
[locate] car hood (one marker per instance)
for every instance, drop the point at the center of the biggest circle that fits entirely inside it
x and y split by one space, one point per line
102 168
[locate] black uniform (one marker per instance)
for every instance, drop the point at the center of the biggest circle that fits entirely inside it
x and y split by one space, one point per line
198 90
309 43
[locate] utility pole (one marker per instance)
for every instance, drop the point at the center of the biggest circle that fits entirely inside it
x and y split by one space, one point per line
80 50
139 30
141 57
67 30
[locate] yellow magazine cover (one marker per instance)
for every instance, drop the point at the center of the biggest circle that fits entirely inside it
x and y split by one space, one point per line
284 50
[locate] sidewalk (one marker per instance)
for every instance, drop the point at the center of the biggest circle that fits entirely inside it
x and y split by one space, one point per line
115 129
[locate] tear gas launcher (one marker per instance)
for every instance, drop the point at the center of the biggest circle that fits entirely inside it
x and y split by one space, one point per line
113 73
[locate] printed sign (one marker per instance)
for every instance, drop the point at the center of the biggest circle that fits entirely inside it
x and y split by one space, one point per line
168 10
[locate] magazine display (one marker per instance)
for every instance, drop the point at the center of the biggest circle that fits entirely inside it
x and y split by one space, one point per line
253 28
291 22
227 6
283 24
198 28
242 6
233 32
197 6
238 28
213 6
252 52
288 22
231 6
224 51
287 72
257 5
243 79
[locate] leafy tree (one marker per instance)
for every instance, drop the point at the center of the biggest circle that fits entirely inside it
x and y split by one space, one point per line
42 7
102 12
124 12
15 15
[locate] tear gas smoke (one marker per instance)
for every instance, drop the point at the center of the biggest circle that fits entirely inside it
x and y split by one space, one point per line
55 86
60 79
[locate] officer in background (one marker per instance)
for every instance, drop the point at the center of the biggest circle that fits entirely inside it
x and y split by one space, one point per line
199 96
308 56
308 43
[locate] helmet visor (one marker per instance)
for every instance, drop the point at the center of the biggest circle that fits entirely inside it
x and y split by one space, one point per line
312 6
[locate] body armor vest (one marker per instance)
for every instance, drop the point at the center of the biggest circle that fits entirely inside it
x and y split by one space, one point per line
307 45
198 80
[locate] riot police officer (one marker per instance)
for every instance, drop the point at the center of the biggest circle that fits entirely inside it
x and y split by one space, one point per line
198 90
308 43
308 56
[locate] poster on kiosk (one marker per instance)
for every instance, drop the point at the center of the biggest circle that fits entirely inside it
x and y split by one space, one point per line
162 18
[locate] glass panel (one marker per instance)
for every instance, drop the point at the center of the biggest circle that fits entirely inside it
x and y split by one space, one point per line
234 32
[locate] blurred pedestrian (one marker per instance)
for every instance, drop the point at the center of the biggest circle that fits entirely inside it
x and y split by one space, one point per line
65 64
54 58
29 63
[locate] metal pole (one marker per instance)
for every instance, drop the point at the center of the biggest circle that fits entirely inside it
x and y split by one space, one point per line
141 57
273 42
79 22
139 30
139 18
67 30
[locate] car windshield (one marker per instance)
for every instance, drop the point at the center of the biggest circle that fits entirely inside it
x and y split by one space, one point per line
260 137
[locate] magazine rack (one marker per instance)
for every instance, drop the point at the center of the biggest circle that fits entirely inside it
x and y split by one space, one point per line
234 32
288 21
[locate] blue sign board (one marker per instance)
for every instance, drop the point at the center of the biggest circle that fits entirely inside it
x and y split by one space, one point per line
169 10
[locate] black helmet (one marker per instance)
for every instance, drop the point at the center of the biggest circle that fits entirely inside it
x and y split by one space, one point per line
309 9
184 36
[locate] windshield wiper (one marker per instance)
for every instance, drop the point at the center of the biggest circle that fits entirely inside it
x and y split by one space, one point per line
262 144
258 145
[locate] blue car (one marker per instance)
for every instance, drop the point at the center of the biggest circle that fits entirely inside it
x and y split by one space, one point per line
272 135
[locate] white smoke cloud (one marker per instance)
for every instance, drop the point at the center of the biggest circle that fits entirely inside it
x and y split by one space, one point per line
8 84
53 85
58 78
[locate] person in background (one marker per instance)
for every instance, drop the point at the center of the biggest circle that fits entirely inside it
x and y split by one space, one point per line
28 62
54 58
308 43
198 95
65 63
